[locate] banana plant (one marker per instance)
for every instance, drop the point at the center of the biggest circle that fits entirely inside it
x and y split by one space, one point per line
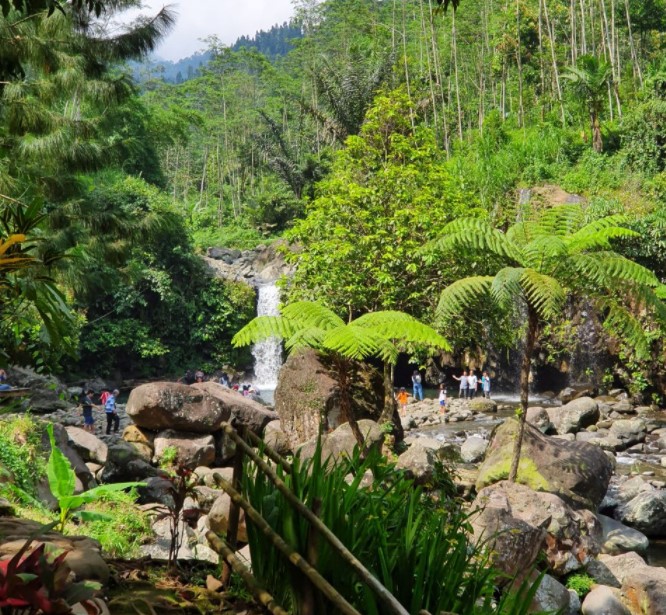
62 482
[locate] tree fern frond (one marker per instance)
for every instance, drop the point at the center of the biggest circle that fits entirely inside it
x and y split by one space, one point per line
307 337
621 323
561 220
311 314
461 295
522 233
505 288
543 292
543 249
599 239
262 328
354 342
391 324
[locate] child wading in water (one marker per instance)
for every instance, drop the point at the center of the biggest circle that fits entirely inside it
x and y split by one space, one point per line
442 398
402 400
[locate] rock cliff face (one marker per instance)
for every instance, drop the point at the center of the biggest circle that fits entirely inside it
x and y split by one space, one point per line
255 267
307 394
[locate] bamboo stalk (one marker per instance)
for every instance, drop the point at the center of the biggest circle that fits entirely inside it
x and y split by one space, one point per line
293 556
388 599
270 453
239 568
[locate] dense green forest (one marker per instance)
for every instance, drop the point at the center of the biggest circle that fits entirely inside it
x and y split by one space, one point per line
385 122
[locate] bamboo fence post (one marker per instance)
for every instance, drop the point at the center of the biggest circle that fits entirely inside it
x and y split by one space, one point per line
270 453
234 509
293 556
232 560
388 599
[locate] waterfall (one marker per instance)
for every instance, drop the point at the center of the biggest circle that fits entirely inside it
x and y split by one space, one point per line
267 354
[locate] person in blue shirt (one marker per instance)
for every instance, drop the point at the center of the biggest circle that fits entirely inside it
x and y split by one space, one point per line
112 417
417 385
485 385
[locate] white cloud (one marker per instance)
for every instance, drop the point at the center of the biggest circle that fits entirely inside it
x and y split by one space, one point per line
227 19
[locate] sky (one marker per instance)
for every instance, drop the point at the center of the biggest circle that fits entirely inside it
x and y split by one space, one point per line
228 19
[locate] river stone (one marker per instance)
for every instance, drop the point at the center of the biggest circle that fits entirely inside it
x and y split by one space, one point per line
132 433
646 512
575 415
226 473
629 489
618 538
418 462
88 445
551 597
629 431
192 449
276 439
206 497
218 518
170 405
603 600
307 392
442 450
124 463
538 417
473 449
483 405
244 411
644 591
576 471
612 569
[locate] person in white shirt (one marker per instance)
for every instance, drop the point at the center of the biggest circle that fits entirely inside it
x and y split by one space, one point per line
472 384
442 398
464 385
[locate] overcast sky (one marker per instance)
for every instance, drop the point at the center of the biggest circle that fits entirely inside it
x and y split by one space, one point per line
228 19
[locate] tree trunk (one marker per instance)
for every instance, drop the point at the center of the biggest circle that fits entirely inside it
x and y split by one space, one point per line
597 140
530 339
343 368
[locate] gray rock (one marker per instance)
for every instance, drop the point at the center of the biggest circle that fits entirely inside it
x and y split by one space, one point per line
218 518
538 417
618 538
644 590
418 461
630 431
646 512
89 446
473 449
603 600
551 597
192 450
124 463
575 415
612 569
276 438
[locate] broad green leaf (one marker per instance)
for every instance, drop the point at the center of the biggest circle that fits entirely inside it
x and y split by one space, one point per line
61 477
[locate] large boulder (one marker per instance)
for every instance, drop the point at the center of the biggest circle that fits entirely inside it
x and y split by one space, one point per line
552 597
47 393
419 462
169 405
613 569
646 512
483 405
644 591
603 600
570 538
473 449
575 415
88 445
576 471
307 394
243 410
538 417
276 439
218 517
618 538
629 431
192 450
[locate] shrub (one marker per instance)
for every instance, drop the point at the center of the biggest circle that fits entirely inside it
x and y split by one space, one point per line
21 453
581 583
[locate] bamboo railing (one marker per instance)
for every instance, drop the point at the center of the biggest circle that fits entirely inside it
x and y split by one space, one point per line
318 530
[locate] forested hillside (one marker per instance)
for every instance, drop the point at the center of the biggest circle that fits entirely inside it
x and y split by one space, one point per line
386 121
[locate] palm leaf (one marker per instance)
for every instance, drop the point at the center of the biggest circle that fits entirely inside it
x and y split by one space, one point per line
461 295
543 292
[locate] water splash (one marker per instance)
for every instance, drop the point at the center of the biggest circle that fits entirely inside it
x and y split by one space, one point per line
267 354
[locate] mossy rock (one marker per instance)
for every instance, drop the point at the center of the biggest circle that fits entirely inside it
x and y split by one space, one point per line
576 471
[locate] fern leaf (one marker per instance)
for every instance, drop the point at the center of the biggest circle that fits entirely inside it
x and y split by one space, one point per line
542 250
311 314
461 295
354 342
544 292
307 337
561 220
401 327
505 288
262 328
620 322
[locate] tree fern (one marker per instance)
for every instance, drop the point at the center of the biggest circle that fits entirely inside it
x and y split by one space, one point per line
461 295
544 293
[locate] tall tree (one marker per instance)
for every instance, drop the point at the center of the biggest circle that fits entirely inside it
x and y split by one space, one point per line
539 263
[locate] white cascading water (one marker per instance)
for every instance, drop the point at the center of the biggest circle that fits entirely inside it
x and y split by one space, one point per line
267 354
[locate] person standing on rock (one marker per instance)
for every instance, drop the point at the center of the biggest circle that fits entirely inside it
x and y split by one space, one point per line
442 398
112 417
402 400
472 384
417 386
87 406
485 385
464 385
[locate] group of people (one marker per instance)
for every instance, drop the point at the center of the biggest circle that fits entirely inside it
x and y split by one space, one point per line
191 377
469 384
107 403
